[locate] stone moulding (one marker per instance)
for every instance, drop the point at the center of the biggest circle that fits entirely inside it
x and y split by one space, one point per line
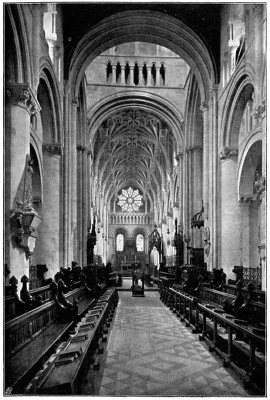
21 94
53 148
226 154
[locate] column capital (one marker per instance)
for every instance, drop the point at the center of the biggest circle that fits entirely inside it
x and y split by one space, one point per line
22 95
246 200
75 102
179 155
214 91
53 148
81 148
194 148
259 111
204 106
227 153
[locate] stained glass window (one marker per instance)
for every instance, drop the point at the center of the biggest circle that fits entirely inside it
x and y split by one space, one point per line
130 200
120 242
139 242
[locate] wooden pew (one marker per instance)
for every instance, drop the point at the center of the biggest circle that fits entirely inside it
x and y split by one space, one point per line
33 336
166 280
185 307
217 297
241 346
232 338
65 372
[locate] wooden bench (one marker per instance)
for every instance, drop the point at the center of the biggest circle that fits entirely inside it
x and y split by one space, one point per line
233 339
32 337
239 344
65 371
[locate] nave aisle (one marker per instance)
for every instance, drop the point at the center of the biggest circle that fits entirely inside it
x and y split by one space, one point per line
151 353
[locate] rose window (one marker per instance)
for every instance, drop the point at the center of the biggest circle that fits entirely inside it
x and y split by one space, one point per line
130 200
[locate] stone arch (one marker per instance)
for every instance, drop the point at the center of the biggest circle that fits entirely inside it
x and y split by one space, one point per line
250 164
149 26
241 89
147 101
235 208
50 129
16 31
53 103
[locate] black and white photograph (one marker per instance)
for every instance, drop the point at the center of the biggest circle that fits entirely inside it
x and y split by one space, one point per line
134 199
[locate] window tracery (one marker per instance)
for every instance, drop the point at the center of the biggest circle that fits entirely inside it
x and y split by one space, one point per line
120 242
130 200
140 242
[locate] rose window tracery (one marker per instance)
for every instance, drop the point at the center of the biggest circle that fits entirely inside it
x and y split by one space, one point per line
130 200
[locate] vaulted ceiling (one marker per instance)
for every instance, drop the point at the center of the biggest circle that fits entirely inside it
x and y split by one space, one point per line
134 147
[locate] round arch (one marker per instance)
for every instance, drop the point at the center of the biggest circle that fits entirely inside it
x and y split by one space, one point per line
145 26
137 99
251 156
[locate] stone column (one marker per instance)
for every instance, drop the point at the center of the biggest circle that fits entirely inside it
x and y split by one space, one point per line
157 75
84 206
37 30
149 76
244 228
73 188
131 78
123 79
80 216
197 189
21 105
230 213
180 180
141 81
48 242
204 109
190 175
114 80
215 167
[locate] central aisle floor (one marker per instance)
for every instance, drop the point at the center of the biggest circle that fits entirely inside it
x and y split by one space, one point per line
150 352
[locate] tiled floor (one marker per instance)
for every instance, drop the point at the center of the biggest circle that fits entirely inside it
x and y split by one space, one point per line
151 353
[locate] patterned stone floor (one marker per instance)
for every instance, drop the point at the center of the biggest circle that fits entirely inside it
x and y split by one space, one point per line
151 353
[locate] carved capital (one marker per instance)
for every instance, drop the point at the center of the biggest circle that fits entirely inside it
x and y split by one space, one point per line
214 91
179 156
22 95
227 154
53 148
260 183
204 106
247 200
259 111
75 102
81 148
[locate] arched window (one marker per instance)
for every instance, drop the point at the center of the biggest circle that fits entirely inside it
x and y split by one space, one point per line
139 242
120 242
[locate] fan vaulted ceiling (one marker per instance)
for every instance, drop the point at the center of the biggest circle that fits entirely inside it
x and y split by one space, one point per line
133 147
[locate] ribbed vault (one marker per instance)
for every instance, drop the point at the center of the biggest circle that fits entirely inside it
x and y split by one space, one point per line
133 147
